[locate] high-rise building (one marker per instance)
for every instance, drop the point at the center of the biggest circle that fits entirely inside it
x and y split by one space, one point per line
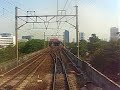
82 36
66 36
114 34
6 39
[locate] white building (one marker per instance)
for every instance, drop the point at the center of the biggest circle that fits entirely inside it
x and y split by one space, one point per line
6 39
82 36
114 34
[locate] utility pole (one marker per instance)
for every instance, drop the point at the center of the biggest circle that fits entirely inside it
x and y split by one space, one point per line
64 39
78 46
47 42
76 24
16 33
44 39
77 31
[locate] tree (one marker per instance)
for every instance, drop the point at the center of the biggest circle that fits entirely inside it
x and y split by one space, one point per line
94 43
32 45
107 59
7 53
83 48
73 47
21 48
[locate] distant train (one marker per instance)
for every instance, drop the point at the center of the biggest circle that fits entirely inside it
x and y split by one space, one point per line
55 42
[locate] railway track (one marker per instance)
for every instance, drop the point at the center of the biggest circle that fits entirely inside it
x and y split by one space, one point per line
66 75
14 70
60 78
53 69
41 79
76 75
73 65
14 80
31 75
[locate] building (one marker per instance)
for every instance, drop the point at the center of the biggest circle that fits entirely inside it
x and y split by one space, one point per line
6 39
114 34
29 37
82 36
26 38
66 36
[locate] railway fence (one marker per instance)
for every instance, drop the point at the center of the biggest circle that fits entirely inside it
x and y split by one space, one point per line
93 75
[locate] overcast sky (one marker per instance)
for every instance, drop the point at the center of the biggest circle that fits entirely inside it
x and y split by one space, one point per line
95 16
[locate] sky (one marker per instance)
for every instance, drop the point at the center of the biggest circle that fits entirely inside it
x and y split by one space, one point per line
95 16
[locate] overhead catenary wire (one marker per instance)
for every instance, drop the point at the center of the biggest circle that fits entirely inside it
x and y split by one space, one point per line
65 4
58 25
69 5
67 9
4 15
10 3
7 11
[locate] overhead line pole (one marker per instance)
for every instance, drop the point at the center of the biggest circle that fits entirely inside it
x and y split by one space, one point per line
77 31
57 7
76 24
44 39
57 15
16 33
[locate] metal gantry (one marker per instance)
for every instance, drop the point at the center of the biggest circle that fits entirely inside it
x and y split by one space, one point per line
44 19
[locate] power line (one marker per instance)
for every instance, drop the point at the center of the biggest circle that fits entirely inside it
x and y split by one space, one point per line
68 7
3 13
58 25
10 3
69 4
6 9
65 4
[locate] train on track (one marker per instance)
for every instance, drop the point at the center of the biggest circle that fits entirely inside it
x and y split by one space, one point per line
55 42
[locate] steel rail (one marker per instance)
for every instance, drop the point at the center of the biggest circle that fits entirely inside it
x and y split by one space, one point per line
17 74
54 72
73 64
26 62
65 73
33 70
57 59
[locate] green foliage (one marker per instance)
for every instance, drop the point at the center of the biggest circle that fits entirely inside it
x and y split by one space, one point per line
32 45
21 47
46 43
93 38
73 48
24 48
90 47
94 44
83 48
7 53
107 59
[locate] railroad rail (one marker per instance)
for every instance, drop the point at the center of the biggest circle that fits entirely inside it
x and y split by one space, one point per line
31 75
37 79
14 80
59 73
75 66
17 68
